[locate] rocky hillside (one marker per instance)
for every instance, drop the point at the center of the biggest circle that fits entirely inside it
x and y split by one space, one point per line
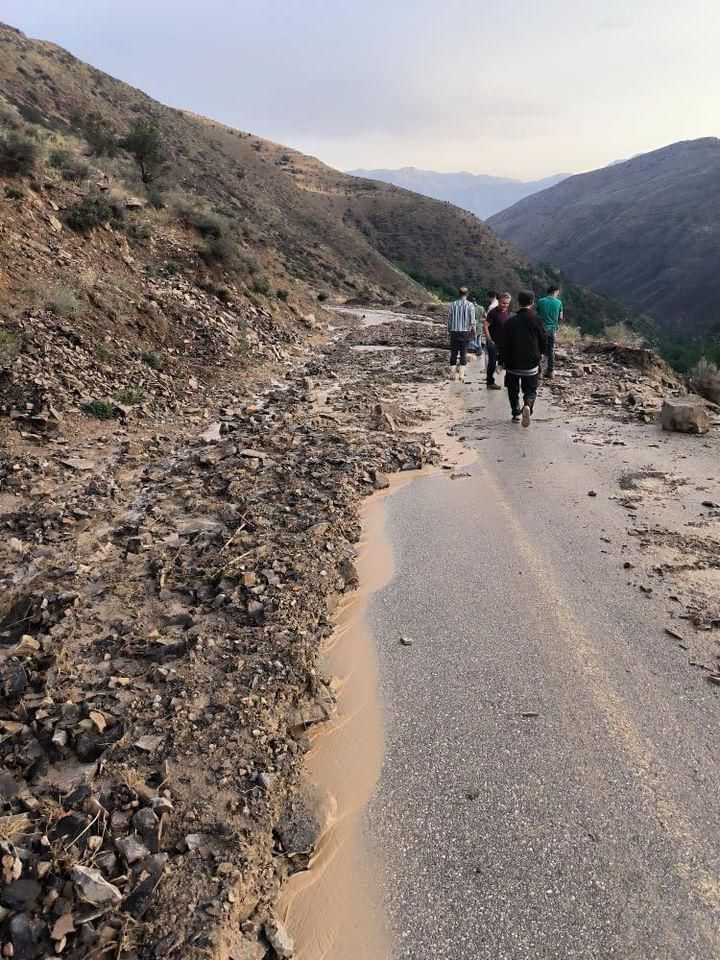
642 231
301 220
480 194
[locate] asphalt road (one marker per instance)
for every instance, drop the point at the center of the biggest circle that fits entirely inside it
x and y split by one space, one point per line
551 784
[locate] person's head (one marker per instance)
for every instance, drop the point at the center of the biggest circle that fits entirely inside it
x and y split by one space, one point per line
505 300
463 292
553 291
492 295
526 298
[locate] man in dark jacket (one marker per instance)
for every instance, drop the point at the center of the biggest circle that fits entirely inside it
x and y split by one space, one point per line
523 346
493 328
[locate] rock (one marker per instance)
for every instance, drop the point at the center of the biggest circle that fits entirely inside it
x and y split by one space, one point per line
25 945
381 481
134 203
406 641
131 849
63 926
303 821
685 415
149 743
20 894
279 939
150 872
592 493
93 887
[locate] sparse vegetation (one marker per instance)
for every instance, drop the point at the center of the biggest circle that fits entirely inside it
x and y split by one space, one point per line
153 360
71 167
92 211
100 409
130 396
10 349
260 285
171 268
282 294
322 296
13 193
622 334
99 133
19 153
144 142
58 299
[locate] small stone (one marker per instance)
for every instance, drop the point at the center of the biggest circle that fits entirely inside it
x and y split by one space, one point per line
406 641
279 939
592 493
131 849
93 887
149 743
63 926
20 894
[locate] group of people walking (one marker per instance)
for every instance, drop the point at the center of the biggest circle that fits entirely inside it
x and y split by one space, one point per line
518 343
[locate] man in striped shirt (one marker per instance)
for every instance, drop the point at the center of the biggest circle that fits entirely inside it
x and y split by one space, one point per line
461 327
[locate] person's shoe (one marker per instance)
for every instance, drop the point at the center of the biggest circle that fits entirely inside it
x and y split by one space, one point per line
461 374
526 412
516 418
494 386
548 374
453 373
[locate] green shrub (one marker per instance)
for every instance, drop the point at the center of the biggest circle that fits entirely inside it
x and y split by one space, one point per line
705 379
130 395
12 193
260 285
144 142
171 268
100 409
282 294
218 249
18 154
99 133
153 360
322 297
92 211
223 294
10 348
70 166
139 231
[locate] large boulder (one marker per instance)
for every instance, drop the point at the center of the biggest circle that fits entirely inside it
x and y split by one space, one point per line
685 415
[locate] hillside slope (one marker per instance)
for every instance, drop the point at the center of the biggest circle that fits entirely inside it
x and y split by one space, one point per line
644 231
480 194
339 234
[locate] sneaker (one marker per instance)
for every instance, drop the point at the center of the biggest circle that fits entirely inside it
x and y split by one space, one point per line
516 418
526 411
494 386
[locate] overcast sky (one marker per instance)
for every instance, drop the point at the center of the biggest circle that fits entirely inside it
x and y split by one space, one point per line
508 87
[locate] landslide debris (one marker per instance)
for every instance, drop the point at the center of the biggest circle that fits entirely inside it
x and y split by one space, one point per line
164 601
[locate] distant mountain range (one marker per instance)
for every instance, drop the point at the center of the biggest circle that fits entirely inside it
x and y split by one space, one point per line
646 231
480 194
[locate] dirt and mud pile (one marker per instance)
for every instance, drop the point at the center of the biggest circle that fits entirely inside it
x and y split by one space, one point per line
164 602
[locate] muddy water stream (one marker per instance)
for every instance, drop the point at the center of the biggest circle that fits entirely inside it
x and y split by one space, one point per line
331 909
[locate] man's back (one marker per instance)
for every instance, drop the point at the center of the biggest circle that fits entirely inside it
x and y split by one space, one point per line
461 316
524 341
549 310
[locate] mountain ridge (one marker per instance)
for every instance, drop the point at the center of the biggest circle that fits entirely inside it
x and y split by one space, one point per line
481 194
642 230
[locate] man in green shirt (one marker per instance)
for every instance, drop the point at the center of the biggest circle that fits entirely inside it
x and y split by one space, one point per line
550 310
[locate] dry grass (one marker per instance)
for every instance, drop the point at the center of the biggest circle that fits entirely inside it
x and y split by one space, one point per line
13 827
620 333
705 380
567 334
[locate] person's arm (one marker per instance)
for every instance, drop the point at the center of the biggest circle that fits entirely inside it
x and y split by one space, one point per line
561 317
449 316
486 327
473 328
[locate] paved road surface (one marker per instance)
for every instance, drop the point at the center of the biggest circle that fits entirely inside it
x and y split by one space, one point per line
551 787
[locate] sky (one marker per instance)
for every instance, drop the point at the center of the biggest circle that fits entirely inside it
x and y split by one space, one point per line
518 88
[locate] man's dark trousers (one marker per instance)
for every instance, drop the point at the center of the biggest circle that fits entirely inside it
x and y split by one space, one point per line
550 335
513 381
458 347
492 359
